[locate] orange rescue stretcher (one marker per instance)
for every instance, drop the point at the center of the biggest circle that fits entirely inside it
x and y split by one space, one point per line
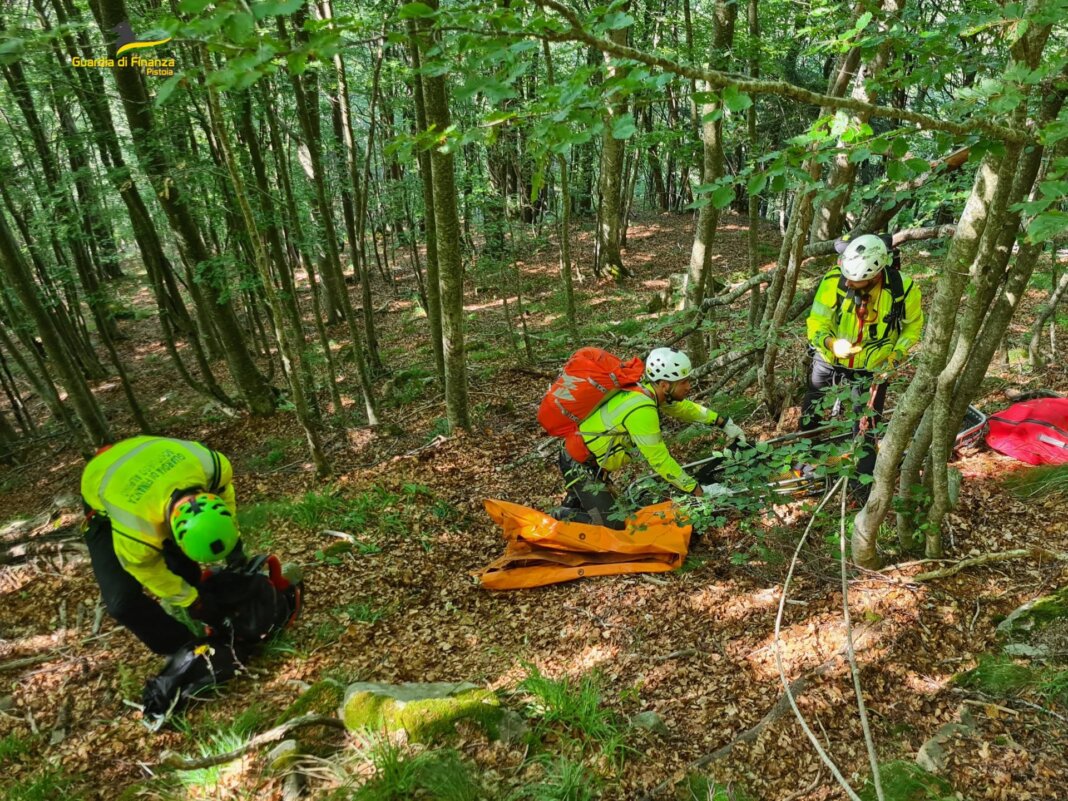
540 550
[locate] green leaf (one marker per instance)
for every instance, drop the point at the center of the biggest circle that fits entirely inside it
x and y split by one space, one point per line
623 127
896 171
862 21
11 50
617 20
756 183
899 147
239 26
167 88
859 154
276 8
918 166
735 100
723 196
1047 225
415 11
193 6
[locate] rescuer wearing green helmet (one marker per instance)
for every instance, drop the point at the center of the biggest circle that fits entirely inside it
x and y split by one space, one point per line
155 508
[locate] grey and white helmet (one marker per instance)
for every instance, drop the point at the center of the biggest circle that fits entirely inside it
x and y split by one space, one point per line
667 364
865 257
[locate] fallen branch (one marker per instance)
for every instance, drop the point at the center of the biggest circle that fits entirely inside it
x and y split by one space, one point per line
989 558
173 761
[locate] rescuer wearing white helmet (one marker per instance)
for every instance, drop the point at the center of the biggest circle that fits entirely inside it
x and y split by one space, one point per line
630 419
865 317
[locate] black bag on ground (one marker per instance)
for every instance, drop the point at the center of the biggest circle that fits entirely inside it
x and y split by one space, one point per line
250 605
200 663
250 611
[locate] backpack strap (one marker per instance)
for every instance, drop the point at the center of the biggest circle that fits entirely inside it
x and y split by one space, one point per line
896 284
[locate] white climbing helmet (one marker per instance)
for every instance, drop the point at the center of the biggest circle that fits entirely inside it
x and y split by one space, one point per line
667 364
865 257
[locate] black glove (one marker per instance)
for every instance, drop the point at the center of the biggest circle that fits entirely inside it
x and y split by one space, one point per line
206 609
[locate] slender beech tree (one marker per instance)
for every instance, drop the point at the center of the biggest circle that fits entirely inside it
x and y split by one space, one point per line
566 277
156 163
307 114
433 279
725 15
450 261
610 211
289 352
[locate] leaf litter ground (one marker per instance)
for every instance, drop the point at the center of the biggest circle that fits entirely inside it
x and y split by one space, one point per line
696 646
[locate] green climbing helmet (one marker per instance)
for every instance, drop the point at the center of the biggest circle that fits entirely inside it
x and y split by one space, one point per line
204 528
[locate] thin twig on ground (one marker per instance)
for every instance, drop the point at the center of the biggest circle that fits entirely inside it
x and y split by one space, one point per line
173 761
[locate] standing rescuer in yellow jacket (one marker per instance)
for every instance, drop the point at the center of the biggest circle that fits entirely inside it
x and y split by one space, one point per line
155 508
865 317
629 420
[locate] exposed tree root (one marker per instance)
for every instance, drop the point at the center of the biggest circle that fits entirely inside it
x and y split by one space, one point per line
988 558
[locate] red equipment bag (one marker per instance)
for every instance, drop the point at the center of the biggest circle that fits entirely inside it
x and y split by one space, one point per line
1034 431
587 378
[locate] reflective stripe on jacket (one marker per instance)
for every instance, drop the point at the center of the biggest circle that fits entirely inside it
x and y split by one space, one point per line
834 315
632 418
132 483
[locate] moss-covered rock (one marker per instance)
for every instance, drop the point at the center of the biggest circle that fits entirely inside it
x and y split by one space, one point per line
1035 615
424 711
322 698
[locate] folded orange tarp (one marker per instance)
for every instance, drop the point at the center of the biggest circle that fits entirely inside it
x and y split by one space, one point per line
540 550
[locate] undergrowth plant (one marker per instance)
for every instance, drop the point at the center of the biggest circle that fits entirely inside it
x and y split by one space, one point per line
572 710
47 785
1050 481
402 773
564 780
1001 676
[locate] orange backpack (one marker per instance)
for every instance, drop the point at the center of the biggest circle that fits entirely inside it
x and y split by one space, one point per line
587 378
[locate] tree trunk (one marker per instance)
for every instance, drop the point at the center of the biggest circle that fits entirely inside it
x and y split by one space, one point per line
610 215
447 223
565 221
156 163
290 354
752 233
81 398
433 279
333 274
943 311
726 13
282 170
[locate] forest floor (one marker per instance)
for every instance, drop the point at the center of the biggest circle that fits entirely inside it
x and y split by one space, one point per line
695 646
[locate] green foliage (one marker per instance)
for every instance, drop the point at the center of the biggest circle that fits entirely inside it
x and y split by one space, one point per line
573 709
907 781
48 784
702 788
564 780
1040 482
401 774
13 746
213 740
999 676
362 612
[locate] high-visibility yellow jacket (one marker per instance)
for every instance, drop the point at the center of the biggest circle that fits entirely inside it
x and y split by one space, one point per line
132 483
834 315
633 418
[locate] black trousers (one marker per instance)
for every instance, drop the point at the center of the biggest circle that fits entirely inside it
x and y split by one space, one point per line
824 376
590 498
125 598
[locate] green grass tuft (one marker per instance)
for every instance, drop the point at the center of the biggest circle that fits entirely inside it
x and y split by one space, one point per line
564 780
575 707
400 774
1040 482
